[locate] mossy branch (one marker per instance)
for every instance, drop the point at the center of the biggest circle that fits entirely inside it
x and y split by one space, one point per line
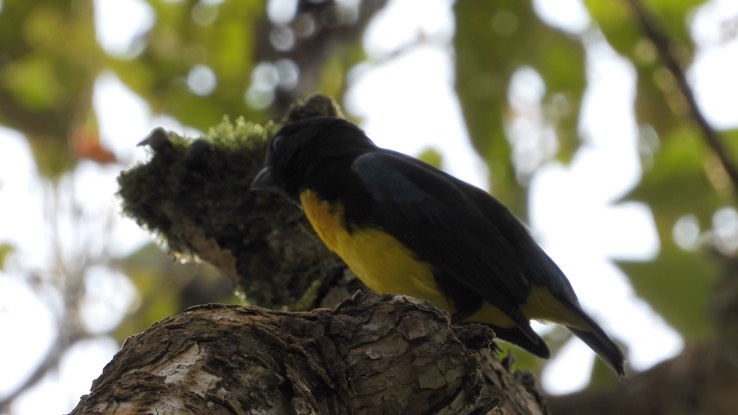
194 195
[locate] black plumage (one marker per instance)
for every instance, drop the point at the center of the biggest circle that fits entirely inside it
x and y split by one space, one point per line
465 250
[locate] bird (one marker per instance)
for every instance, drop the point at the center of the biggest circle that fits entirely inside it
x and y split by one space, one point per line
405 227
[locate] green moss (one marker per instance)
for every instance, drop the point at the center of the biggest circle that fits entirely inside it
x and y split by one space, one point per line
195 196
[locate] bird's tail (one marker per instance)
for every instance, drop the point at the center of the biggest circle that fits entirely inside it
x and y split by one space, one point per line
601 343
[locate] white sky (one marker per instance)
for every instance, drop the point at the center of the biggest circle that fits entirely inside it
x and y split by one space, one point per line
569 204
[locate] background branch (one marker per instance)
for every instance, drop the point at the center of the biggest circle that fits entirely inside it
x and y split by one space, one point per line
664 45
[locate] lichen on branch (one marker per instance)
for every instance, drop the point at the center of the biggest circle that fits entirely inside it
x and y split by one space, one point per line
194 195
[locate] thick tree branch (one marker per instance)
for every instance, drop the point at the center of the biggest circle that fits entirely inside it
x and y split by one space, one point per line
371 355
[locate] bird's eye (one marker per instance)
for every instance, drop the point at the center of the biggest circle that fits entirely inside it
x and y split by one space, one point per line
276 142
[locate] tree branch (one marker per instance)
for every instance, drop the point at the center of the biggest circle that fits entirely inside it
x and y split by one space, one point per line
663 44
371 355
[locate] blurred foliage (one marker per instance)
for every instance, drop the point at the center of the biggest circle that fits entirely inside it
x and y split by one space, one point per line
494 40
165 287
187 37
658 100
199 61
431 156
682 177
202 60
678 184
46 85
5 249
679 286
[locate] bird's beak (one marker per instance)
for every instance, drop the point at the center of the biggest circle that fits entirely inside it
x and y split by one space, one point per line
264 180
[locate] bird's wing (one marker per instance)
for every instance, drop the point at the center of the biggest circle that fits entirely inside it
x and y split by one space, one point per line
428 212
539 267
542 271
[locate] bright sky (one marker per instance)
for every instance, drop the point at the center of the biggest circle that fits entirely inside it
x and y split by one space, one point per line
569 204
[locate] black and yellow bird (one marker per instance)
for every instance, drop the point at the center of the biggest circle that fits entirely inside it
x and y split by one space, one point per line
405 227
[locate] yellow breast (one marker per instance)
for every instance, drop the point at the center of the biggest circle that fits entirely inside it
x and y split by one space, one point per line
380 261
386 266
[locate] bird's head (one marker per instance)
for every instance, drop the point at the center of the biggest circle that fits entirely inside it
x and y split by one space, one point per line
308 150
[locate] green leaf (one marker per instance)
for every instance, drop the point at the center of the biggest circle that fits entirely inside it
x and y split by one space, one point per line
720 179
177 43
5 249
615 20
678 285
165 287
50 61
431 156
623 30
659 101
677 182
674 16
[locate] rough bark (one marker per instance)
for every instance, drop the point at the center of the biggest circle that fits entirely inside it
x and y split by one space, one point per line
371 355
